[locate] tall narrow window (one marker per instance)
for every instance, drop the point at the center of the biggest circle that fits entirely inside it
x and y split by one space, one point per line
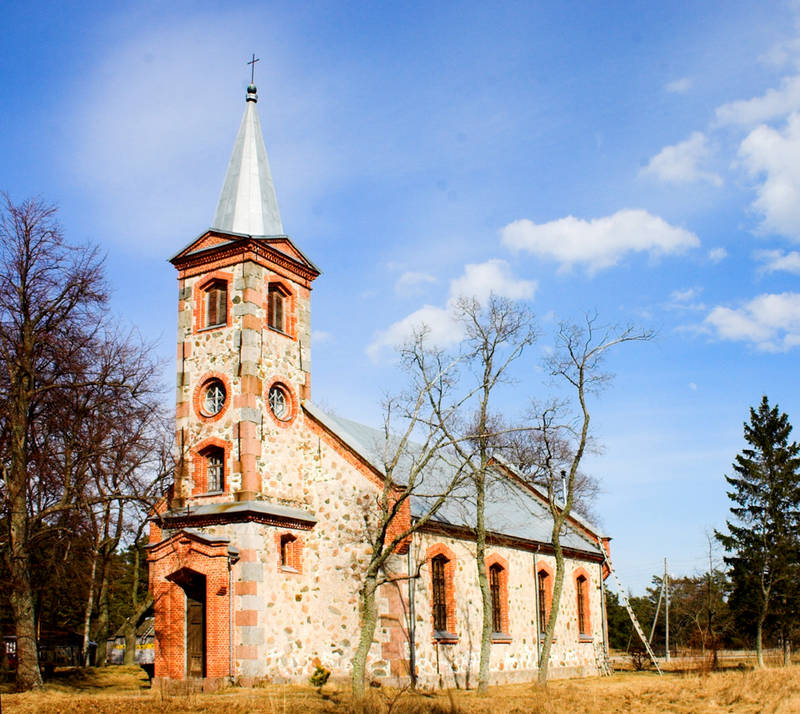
217 304
214 469
542 591
439 593
581 588
275 309
494 588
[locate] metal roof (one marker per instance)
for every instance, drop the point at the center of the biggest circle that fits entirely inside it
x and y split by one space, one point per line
511 509
239 507
248 203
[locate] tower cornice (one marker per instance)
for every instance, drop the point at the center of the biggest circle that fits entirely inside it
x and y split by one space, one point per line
215 249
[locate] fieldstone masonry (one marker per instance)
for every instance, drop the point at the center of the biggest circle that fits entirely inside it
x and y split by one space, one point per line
275 612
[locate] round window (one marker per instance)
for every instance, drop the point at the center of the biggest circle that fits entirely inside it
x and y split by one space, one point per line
279 403
213 397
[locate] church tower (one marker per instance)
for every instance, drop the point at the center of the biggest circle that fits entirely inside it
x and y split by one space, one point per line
244 359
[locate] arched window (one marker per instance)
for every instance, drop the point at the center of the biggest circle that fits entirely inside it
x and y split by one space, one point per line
495 573
439 582
583 605
215 471
542 584
442 564
276 308
216 304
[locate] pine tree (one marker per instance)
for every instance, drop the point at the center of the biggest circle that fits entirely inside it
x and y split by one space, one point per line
763 536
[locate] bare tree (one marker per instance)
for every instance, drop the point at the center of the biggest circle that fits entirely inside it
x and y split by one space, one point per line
55 342
496 335
577 361
415 465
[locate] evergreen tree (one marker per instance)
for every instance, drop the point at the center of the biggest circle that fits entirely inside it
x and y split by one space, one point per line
762 537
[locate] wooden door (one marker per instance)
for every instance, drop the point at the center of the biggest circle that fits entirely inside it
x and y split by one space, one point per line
195 635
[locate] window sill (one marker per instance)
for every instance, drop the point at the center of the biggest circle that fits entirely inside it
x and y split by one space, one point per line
280 332
209 493
501 638
585 638
289 569
542 636
444 638
208 328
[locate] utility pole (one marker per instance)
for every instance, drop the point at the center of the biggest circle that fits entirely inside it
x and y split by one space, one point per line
666 611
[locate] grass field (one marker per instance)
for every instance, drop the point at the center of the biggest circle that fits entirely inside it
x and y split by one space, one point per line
125 689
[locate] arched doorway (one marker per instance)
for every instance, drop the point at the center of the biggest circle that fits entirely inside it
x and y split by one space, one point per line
194 587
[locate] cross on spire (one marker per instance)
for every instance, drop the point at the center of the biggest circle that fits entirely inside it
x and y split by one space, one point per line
252 64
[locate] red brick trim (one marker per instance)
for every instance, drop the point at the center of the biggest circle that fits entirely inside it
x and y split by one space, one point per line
542 567
499 560
200 289
289 307
294 405
449 590
584 634
294 552
238 249
169 562
197 398
199 465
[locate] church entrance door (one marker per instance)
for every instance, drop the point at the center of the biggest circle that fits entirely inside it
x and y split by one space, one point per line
196 630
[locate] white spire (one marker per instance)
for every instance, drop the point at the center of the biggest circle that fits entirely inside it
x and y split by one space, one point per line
247 203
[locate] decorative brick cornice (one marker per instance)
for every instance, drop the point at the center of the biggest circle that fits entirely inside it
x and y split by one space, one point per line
191 520
193 263
468 534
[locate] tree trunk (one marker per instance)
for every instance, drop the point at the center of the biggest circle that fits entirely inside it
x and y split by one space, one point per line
759 650
87 615
101 630
555 605
368 619
483 583
130 626
21 592
787 650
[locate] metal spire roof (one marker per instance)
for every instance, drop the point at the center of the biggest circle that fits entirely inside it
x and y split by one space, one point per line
247 203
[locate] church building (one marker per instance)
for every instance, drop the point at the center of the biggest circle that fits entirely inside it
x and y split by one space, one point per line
256 557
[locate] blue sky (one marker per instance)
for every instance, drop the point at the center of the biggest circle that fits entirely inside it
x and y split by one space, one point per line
634 158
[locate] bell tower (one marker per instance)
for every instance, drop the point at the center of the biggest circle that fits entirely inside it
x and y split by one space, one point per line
244 333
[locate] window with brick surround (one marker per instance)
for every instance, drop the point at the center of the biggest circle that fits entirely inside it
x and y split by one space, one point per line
582 603
215 468
439 581
216 304
544 589
213 397
277 303
495 573
289 552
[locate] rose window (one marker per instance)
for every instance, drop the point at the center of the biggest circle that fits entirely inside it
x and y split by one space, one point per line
279 403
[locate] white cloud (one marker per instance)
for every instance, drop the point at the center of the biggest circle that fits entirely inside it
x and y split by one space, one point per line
684 295
774 103
693 386
679 86
774 156
680 163
412 283
778 260
716 255
494 276
443 330
685 300
479 280
598 243
320 336
770 321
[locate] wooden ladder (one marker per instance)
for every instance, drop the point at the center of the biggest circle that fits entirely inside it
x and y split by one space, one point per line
627 605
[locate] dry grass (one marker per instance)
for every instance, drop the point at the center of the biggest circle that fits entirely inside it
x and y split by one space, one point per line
124 689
